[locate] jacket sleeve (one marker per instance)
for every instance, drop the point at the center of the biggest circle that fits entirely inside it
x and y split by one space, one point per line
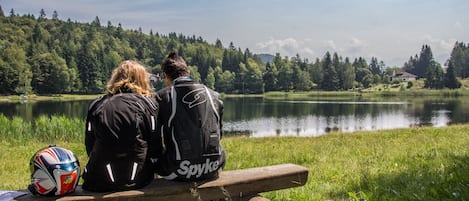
89 137
89 134
163 112
220 113
89 130
155 144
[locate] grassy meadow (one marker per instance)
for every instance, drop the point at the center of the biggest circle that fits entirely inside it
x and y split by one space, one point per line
403 164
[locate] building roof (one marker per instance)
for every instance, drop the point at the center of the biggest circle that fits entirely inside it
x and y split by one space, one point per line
404 74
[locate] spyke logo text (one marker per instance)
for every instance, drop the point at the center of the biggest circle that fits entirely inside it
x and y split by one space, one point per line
197 170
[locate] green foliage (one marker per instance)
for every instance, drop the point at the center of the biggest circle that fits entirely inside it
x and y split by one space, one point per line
50 74
330 78
410 84
15 74
459 59
270 77
84 55
435 76
210 81
451 80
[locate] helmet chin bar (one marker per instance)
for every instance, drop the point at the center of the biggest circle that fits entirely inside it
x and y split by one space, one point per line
66 181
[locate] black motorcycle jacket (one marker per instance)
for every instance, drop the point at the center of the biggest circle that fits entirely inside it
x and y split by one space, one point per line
121 142
190 121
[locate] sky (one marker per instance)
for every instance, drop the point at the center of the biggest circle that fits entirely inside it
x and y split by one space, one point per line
390 30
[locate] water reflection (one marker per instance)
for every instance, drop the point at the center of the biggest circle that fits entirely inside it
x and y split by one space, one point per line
314 125
31 110
314 118
259 117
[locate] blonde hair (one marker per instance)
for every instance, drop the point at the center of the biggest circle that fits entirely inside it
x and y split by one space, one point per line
129 76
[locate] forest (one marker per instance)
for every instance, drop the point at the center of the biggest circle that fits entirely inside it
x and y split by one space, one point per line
47 55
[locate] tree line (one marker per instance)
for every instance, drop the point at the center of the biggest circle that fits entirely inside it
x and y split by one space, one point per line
44 55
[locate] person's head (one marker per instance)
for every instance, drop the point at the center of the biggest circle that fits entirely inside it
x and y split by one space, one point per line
129 76
174 66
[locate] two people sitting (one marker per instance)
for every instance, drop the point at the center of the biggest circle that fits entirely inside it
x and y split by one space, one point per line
133 133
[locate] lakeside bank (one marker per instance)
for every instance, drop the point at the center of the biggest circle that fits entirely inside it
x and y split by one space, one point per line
368 93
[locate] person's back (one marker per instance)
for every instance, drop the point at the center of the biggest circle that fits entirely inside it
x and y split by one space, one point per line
120 139
191 121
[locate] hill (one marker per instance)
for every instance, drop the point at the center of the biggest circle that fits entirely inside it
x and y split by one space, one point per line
266 57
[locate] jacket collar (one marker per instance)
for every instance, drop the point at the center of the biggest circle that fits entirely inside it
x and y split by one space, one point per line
182 79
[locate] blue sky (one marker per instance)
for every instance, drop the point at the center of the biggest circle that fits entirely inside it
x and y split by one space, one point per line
391 30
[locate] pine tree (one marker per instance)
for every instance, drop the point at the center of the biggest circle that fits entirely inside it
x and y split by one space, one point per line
434 76
284 78
42 15
55 15
339 68
270 77
1 12
218 44
315 71
459 59
12 13
349 74
330 81
425 61
450 77
375 67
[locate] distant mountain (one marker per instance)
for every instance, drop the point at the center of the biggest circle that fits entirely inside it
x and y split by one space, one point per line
266 57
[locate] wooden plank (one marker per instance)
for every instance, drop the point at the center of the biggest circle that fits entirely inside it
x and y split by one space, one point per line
234 184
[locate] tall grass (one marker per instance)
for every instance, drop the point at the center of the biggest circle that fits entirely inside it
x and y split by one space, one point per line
42 129
402 164
58 128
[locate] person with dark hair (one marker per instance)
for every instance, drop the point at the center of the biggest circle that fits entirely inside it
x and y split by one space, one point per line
120 138
190 121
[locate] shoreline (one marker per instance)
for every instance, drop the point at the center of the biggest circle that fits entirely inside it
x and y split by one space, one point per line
269 95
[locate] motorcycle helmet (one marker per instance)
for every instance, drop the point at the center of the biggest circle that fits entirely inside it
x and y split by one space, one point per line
54 171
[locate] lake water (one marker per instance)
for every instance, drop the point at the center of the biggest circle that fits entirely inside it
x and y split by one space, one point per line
259 117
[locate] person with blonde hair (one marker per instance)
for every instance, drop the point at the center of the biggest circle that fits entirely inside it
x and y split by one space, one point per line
120 136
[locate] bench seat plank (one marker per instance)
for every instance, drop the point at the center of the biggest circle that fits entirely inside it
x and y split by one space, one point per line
231 185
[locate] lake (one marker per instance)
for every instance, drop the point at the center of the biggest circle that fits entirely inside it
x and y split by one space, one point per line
259 117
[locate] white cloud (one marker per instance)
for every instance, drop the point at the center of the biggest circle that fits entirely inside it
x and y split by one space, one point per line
286 47
356 47
330 44
356 44
311 49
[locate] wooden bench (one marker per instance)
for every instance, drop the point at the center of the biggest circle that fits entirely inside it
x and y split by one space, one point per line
242 185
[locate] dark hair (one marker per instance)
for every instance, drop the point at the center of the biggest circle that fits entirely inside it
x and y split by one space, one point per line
174 66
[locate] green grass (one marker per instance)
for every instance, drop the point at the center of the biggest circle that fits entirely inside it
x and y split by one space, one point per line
402 164
367 94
